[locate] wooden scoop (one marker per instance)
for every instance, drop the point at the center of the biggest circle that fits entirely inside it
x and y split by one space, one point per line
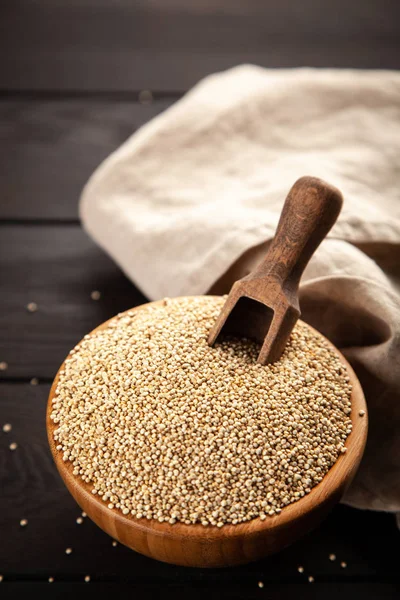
264 305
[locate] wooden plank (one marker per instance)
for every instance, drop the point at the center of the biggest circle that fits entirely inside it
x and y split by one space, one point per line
103 45
32 489
327 591
49 149
56 267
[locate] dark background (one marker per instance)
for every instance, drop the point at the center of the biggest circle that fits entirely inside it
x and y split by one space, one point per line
70 76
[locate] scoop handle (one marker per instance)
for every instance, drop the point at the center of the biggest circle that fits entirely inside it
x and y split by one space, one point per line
310 210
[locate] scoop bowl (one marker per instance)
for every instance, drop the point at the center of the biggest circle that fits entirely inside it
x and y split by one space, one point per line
200 546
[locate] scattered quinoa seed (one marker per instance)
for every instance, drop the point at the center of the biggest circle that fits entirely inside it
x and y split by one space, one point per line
260 584
87 578
114 543
95 295
32 307
300 569
332 557
68 550
1 578
84 515
23 522
13 446
164 427
79 520
34 381
145 97
311 579
51 579
343 565
7 427
3 366
361 413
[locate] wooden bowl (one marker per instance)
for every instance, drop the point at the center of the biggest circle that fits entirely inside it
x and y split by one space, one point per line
199 546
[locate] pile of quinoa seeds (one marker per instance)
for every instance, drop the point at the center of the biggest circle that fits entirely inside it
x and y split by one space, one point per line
161 426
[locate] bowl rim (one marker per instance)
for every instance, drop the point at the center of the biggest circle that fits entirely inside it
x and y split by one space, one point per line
333 483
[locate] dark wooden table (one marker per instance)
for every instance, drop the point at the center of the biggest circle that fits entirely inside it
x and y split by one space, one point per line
70 75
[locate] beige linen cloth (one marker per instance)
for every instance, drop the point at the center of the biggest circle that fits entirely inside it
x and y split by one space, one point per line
190 201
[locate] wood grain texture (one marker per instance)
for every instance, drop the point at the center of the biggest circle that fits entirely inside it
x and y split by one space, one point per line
198 546
57 267
200 590
151 591
49 148
309 212
103 45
